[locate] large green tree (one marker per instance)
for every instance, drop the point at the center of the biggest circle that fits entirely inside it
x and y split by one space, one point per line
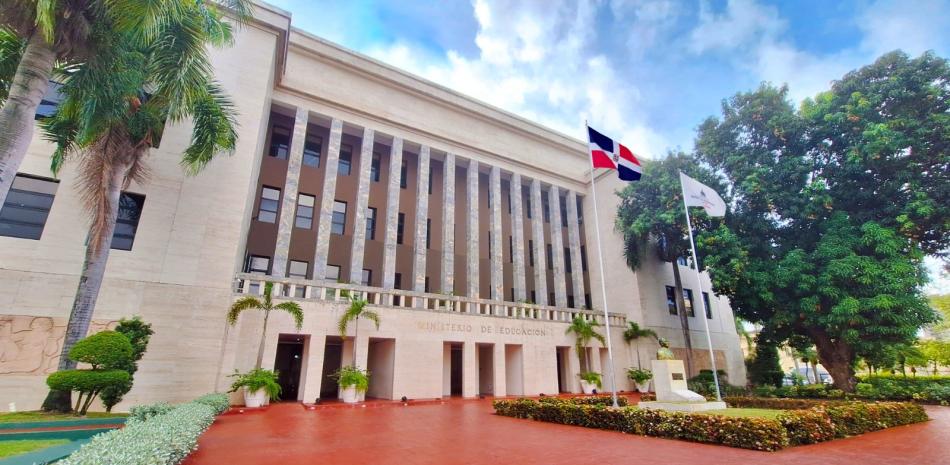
115 107
652 219
834 207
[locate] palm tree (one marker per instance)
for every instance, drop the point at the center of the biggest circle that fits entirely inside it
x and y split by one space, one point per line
634 332
809 356
358 308
108 118
584 331
267 305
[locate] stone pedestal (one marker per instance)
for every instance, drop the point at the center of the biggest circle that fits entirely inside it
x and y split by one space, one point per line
669 380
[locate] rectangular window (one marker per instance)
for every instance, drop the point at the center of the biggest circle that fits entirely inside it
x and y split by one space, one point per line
587 301
258 264
688 301
311 151
371 223
426 286
279 142
270 200
51 100
527 206
430 179
397 282
583 258
127 221
531 252
580 210
304 217
346 160
563 203
27 207
509 201
366 278
534 297
567 260
511 250
428 233
512 294
545 209
551 299
671 300
338 224
708 307
550 257
374 168
402 175
570 301
297 269
400 227
333 272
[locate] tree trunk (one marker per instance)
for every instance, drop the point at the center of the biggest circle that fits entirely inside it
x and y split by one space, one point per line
684 319
16 117
90 280
356 334
260 348
837 357
814 371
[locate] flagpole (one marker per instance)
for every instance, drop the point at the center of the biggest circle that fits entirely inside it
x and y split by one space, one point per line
603 277
699 282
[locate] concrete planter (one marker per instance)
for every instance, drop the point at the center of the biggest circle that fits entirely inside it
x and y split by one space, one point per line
644 387
254 399
588 388
350 396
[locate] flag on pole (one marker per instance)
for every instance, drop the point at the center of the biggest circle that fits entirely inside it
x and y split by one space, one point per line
697 194
605 153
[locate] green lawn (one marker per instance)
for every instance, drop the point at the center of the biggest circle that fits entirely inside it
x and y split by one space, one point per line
19 417
8 448
745 412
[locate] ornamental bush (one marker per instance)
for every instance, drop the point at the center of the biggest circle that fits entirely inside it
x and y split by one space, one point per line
144 412
593 400
88 383
105 349
217 401
807 426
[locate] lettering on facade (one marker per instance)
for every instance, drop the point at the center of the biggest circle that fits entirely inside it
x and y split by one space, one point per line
438 327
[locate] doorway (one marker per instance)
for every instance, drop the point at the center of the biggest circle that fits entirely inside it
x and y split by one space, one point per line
486 369
332 361
380 361
452 369
288 363
563 370
514 370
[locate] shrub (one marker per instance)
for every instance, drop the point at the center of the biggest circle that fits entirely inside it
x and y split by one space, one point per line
775 403
592 378
592 400
105 349
807 426
853 418
255 379
217 401
350 375
144 412
764 368
138 333
88 383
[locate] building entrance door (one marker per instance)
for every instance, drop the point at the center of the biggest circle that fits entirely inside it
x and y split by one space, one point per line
287 363
332 361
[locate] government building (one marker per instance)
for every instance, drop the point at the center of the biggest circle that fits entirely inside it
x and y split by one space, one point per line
470 231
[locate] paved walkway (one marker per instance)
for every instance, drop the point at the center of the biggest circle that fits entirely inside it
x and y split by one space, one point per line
466 432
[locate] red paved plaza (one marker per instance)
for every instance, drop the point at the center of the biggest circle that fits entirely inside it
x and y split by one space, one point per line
468 432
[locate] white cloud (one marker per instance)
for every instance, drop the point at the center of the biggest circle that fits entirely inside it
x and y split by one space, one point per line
744 23
914 27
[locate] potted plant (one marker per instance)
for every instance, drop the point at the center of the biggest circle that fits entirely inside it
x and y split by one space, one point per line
589 381
641 377
259 386
353 382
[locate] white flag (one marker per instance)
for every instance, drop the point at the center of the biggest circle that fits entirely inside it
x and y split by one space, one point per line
698 194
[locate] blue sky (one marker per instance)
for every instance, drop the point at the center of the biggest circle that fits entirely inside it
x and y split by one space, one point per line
646 72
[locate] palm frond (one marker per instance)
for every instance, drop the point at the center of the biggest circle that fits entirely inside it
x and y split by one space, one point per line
214 128
242 304
372 316
11 49
294 310
46 19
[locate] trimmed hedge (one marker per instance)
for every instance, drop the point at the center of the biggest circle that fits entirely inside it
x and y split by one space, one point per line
219 402
144 412
594 400
163 439
925 389
804 422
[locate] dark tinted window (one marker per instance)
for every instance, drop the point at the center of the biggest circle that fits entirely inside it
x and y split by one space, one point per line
338 223
27 206
400 227
279 142
127 222
370 223
346 160
374 168
51 100
671 299
311 151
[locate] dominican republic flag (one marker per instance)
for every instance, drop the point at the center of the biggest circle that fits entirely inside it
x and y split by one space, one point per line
606 153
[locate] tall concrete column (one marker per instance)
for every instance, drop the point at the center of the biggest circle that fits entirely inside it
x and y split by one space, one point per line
326 201
422 213
448 224
499 374
557 246
517 232
392 214
574 238
469 370
471 230
537 234
288 207
497 257
362 199
312 372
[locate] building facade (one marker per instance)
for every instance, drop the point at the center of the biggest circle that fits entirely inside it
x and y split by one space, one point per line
469 230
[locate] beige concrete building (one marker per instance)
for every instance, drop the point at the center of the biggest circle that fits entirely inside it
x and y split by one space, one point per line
469 229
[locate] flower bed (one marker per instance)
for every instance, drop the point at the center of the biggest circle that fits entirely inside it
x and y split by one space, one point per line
804 422
153 435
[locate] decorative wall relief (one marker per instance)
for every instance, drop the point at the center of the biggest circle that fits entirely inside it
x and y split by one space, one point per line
30 345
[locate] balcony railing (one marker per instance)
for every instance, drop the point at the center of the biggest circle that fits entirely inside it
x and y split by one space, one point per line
308 290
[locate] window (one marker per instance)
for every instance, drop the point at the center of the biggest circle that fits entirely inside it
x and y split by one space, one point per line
512 294
509 201
127 221
511 250
688 301
258 264
270 200
304 218
489 197
397 282
311 151
570 301
367 277
374 168
583 258
671 299
551 299
587 301
297 269
400 227
567 260
534 297
708 307
27 206
545 209
346 160
279 142
51 100
430 179
333 272
527 205
428 233
580 210
371 223
563 203
426 286
531 252
402 175
550 257
338 224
